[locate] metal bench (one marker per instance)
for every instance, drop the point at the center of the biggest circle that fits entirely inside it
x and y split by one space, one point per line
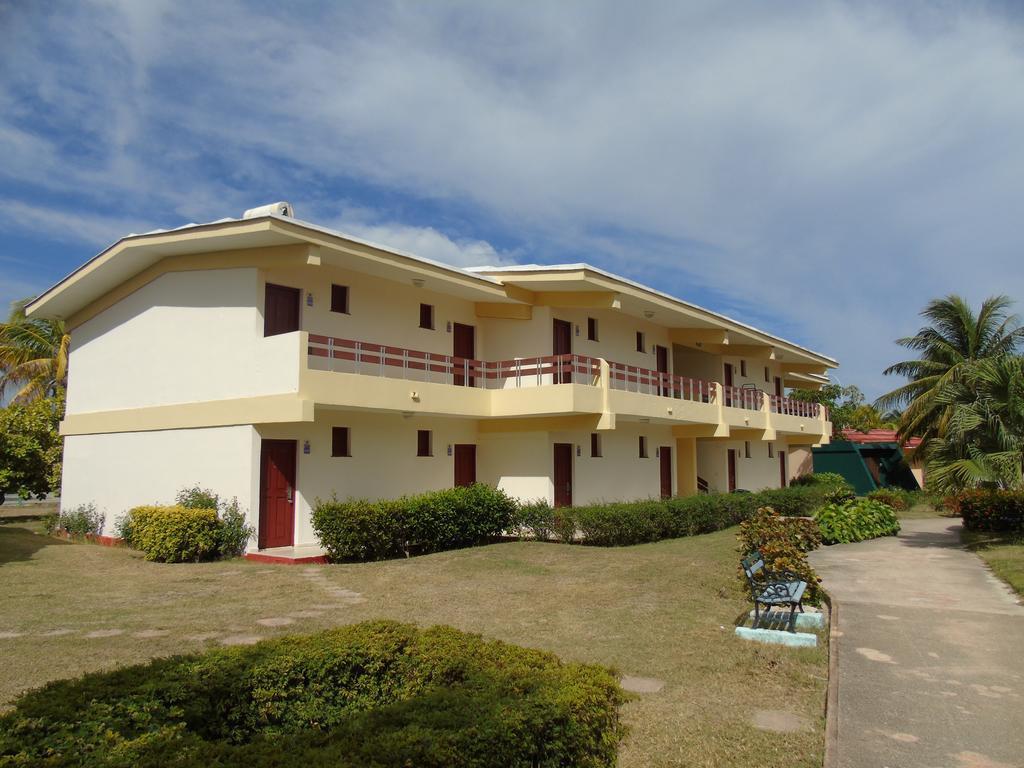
773 589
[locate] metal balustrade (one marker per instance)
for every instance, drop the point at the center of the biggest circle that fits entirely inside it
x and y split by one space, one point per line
367 358
633 378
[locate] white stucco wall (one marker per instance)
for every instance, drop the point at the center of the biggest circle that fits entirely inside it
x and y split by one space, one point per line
185 337
753 474
118 471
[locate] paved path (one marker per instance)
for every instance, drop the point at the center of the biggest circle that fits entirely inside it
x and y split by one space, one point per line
931 657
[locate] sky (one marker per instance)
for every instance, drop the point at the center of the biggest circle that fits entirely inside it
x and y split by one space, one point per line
820 170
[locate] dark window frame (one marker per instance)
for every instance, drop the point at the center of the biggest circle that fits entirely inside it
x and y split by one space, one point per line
743 368
747 453
424 442
592 329
641 342
596 451
341 442
644 453
340 299
427 314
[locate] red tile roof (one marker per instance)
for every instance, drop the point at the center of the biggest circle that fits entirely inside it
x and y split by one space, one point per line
878 436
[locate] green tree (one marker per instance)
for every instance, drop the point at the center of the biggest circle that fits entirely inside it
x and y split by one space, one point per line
983 443
30 447
33 355
846 407
954 338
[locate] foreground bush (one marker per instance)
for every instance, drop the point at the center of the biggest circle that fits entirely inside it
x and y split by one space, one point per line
429 522
79 522
783 543
373 694
856 520
991 510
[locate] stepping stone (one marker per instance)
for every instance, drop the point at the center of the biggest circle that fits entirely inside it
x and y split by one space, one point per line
148 633
58 632
779 721
280 621
104 633
641 684
241 640
203 636
9 635
307 614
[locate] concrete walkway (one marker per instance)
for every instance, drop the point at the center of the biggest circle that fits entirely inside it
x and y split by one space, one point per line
931 655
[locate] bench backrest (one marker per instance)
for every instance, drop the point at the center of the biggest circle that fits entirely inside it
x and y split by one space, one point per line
752 564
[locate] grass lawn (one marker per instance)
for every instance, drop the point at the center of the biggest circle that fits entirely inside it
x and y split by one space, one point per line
663 610
1003 552
919 511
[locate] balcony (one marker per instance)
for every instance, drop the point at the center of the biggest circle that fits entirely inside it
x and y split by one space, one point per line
384 377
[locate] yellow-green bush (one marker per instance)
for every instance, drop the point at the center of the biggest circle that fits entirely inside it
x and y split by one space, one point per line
175 534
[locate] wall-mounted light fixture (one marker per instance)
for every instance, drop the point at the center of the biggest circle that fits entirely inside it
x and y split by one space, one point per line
418 282
448 326
577 330
305 447
579 451
309 298
648 314
407 414
449 449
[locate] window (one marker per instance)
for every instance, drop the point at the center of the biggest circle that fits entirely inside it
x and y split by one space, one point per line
424 442
771 450
746 449
595 445
591 329
427 316
766 373
641 346
339 442
339 299
743 367
643 447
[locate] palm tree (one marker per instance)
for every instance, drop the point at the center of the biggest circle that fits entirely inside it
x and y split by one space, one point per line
33 355
954 338
984 441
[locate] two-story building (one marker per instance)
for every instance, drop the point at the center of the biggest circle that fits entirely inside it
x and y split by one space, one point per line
280 362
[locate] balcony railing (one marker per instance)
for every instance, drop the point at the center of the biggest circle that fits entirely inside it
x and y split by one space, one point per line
748 398
363 357
632 378
789 407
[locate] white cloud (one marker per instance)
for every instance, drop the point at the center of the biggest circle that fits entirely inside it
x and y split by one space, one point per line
66 226
827 166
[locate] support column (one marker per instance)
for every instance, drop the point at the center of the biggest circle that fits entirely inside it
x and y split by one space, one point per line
686 465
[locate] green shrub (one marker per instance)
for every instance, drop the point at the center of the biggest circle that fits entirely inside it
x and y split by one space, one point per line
991 510
897 498
175 534
856 520
798 501
81 521
358 529
197 497
783 543
819 478
235 532
536 519
379 693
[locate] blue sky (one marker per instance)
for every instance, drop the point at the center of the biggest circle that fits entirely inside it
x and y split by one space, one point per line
819 169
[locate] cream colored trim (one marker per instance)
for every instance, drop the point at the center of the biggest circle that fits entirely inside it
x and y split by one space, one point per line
691 337
262 258
753 351
271 409
586 423
578 299
504 311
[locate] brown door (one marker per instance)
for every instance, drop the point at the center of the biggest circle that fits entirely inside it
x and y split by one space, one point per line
661 353
563 474
778 386
465 465
464 349
732 470
561 344
727 380
665 452
277 493
783 474
280 309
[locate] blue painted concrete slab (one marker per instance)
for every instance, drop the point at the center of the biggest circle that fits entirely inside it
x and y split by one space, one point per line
778 637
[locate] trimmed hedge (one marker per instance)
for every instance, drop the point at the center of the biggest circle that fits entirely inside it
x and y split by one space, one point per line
783 543
429 522
991 510
856 520
374 694
174 534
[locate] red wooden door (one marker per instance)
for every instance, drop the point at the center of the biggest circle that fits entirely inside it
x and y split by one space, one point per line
562 475
661 353
665 453
464 350
465 465
277 493
732 470
778 386
727 380
280 309
783 474
561 344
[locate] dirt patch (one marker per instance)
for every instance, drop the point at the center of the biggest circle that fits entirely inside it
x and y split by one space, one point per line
780 721
642 684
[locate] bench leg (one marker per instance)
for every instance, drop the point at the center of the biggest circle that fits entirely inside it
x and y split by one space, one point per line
757 615
792 617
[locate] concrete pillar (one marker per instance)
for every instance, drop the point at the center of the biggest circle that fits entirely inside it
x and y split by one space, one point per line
686 466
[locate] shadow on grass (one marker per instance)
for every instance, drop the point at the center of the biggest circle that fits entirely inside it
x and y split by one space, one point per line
947 538
979 541
18 543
